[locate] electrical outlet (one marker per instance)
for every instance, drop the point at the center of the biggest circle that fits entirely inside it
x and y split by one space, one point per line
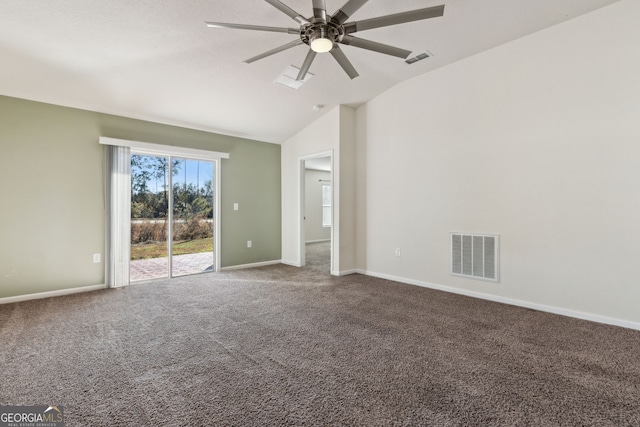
398 253
96 258
249 243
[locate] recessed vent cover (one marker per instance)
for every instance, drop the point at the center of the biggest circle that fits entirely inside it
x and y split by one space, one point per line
288 78
475 255
419 57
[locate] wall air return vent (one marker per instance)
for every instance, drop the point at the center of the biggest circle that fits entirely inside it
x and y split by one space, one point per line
475 255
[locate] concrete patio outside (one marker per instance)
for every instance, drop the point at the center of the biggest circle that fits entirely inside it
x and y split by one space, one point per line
156 268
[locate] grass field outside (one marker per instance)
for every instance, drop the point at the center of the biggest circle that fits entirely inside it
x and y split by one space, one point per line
159 249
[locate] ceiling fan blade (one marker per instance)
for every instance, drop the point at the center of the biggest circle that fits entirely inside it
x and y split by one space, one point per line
375 46
347 10
339 56
320 9
306 65
253 27
288 11
274 51
395 19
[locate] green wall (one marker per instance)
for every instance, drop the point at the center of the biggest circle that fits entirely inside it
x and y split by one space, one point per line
52 214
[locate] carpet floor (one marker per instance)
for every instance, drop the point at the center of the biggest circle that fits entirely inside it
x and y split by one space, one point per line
285 346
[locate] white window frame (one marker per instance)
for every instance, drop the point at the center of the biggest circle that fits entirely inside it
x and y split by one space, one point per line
326 213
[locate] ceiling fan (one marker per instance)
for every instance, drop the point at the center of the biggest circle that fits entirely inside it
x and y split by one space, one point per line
324 33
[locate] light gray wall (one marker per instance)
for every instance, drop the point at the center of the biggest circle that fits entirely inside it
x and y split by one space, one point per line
313 229
321 136
538 141
52 173
334 132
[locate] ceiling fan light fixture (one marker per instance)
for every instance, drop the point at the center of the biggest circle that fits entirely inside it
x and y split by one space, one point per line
320 39
321 45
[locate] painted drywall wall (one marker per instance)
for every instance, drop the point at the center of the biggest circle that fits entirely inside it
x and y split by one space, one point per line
52 172
334 132
322 136
345 190
538 141
314 231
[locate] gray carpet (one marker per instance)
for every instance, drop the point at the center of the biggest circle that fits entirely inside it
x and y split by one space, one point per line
285 346
318 257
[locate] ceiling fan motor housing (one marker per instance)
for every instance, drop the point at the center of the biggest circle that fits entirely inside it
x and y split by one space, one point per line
319 29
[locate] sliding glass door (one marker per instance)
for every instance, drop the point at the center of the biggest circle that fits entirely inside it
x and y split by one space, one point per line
172 216
192 219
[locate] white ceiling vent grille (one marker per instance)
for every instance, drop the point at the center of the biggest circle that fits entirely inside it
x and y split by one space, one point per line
288 78
475 255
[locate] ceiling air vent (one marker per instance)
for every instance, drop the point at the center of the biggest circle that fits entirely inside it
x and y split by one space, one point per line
288 78
419 57
475 256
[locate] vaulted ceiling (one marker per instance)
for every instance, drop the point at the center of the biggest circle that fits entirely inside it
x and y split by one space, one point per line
157 60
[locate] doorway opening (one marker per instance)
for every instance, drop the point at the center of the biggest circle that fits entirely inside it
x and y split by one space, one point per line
317 212
172 216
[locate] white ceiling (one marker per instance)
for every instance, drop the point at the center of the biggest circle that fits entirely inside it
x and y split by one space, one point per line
319 164
156 59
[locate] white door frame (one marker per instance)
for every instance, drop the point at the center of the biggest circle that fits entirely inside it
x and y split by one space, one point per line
301 199
139 147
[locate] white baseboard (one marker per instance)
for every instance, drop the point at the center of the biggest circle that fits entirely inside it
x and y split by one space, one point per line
254 265
49 294
519 303
345 272
318 241
291 263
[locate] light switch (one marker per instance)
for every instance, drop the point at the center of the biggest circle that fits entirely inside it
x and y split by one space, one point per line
235 206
